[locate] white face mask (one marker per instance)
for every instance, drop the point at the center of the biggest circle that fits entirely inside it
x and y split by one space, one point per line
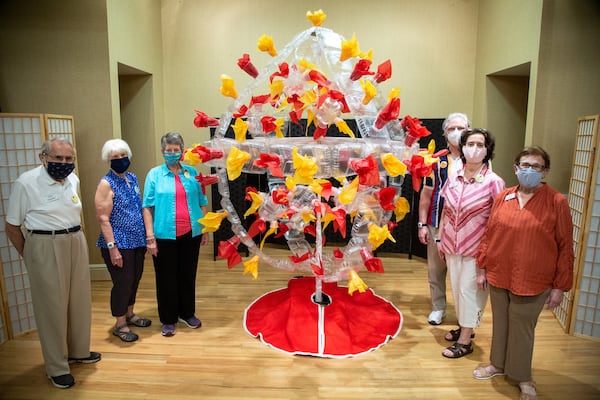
474 154
454 137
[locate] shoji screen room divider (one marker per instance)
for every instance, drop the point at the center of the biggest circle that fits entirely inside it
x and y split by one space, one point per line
21 136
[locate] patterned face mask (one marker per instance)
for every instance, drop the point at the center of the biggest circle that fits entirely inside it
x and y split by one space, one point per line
59 171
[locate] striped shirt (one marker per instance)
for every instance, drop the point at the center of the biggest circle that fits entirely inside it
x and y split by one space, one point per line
467 206
528 250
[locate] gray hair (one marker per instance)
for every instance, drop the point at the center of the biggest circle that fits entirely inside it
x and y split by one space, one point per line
456 115
171 138
115 146
47 145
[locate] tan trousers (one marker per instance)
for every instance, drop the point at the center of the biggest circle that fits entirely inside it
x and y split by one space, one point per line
469 301
58 267
514 319
436 272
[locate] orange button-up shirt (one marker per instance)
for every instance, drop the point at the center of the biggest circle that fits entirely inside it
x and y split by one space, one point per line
529 250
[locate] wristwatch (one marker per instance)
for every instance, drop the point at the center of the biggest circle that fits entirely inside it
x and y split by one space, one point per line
420 224
111 245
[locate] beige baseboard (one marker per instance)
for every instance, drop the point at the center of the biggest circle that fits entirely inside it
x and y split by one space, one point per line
98 272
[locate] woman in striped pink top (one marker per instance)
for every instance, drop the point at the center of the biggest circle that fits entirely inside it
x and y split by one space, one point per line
468 197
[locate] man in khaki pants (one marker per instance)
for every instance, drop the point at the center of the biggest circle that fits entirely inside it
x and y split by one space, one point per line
45 202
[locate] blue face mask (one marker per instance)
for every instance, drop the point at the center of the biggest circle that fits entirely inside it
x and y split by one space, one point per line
120 165
528 178
172 158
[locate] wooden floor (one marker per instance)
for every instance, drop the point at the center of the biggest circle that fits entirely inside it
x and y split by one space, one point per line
221 361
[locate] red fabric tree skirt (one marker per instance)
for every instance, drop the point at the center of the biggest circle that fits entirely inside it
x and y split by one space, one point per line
288 320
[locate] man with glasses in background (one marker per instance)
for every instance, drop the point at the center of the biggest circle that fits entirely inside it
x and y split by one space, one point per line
43 222
430 211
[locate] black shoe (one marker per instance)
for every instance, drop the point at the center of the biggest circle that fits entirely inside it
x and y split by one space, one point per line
94 357
62 381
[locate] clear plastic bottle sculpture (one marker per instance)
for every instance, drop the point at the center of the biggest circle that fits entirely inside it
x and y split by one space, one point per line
326 79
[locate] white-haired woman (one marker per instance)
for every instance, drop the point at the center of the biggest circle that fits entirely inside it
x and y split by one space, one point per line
122 238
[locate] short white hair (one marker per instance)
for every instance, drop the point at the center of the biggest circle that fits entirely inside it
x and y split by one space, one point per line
115 146
456 115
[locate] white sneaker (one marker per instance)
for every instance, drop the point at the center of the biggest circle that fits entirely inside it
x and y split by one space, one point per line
436 316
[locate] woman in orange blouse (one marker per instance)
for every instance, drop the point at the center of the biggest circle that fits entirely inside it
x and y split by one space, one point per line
526 258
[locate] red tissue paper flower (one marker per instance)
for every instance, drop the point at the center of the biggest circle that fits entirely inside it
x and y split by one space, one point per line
203 121
241 111
246 65
388 113
384 71
228 250
271 161
361 68
372 263
258 226
206 153
206 180
268 123
418 170
367 170
284 71
414 130
385 196
339 223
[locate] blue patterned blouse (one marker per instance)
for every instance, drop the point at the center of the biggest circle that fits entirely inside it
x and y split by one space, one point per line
126 217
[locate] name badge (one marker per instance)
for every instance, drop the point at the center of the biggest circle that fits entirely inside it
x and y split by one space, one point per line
186 174
510 197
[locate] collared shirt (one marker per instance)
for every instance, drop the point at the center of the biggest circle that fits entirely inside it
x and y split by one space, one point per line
159 193
39 202
126 217
528 250
447 165
467 206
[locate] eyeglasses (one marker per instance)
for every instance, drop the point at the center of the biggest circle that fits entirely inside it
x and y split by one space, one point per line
535 167
62 159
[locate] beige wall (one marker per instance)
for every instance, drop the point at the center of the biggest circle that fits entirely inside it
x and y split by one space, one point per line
55 60
431 48
508 37
568 85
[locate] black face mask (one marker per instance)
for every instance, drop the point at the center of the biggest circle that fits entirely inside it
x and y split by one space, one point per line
120 165
59 171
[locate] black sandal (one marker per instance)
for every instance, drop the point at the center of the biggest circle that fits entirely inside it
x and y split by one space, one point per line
459 350
126 336
455 334
139 321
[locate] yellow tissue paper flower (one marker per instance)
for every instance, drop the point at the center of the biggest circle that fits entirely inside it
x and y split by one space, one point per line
369 89
304 64
392 165
190 157
394 92
355 283
279 122
316 17
378 235
251 267
228 86
290 183
308 216
402 208
350 48
271 231
343 127
265 43
306 167
276 88
212 221
348 192
235 162
240 127
257 201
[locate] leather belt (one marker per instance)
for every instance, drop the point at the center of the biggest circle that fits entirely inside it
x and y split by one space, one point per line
58 232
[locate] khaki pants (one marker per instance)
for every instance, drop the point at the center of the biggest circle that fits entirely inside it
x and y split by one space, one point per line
514 319
436 272
59 274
